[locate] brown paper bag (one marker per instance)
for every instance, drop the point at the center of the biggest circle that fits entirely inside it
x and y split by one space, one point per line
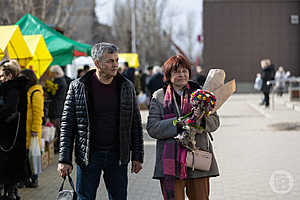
223 93
214 79
215 83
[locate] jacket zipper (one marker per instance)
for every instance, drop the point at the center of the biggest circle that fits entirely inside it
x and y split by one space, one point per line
131 120
87 111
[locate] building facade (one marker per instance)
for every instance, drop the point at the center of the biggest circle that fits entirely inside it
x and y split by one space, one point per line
83 16
239 33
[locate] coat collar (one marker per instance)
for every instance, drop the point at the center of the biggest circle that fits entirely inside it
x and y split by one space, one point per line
87 77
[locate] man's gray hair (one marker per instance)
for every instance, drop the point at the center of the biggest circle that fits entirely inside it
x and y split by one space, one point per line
102 47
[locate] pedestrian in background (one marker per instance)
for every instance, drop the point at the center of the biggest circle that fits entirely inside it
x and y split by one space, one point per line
280 78
267 74
167 105
80 73
156 80
57 100
199 76
102 118
13 128
86 68
35 113
128 72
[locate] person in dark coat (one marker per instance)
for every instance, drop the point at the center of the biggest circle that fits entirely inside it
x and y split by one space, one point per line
129 72
13 111
267 74
57 101
143 81
101 117
156 81
199 77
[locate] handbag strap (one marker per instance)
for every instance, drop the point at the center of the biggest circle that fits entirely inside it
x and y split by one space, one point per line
70 181
193 163
15 139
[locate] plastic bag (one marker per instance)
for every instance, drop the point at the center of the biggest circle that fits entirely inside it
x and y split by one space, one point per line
258 83
35 156
142 98
67 194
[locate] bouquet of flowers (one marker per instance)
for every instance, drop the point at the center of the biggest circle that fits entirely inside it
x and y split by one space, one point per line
203 100
51 87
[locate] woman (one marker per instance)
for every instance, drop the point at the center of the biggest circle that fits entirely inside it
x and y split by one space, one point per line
13 128
280 77
35 107
57 100
168 104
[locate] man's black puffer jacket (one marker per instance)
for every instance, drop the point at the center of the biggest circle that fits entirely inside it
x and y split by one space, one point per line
75 123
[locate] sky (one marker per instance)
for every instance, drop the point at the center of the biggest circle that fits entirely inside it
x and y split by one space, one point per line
182 8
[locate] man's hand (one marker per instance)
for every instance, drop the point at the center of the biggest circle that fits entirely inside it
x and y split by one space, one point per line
136 167
64 169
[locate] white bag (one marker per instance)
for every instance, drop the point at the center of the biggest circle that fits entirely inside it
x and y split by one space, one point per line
258 83
35 156
51 133
142 98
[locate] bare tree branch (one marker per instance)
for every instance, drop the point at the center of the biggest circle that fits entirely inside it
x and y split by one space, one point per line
58 12
190 27
44 11
67 14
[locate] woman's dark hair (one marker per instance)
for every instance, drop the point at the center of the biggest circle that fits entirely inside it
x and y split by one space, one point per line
173 63
30 76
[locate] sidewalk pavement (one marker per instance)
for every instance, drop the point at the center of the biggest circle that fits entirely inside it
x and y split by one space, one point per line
257 159
258 156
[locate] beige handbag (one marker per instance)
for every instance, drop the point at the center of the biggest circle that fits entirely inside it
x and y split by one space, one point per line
199 159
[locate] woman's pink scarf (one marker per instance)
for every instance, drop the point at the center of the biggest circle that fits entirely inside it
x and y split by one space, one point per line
174 156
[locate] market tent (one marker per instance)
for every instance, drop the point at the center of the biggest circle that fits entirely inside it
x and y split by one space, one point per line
83 60
11 39
41 55
131 58
61 47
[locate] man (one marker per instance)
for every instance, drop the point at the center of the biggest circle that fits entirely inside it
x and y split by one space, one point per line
128 72
86 68
102 116
156 81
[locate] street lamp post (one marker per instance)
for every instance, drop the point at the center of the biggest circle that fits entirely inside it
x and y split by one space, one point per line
133 27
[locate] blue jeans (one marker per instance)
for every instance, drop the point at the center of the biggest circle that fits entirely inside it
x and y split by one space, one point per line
114 175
